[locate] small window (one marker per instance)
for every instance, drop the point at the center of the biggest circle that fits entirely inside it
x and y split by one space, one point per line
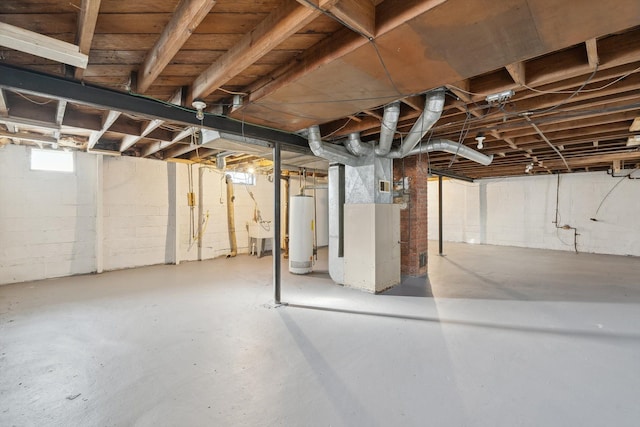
244 178
51 160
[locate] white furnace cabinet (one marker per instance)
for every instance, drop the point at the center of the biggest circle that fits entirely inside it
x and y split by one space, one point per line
371 246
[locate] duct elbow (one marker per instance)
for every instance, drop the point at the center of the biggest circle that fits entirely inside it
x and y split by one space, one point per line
487 161
330 152
354 145
315 141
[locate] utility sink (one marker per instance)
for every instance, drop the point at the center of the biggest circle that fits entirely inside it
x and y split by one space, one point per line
260 230
257 233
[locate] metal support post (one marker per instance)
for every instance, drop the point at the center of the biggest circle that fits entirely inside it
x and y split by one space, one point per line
439 214
277 266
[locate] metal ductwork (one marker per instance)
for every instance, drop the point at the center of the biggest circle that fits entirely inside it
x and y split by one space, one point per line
452 147
332 153
388 128
356 149
355 146
433 106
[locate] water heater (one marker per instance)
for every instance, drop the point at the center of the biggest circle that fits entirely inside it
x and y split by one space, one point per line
301 214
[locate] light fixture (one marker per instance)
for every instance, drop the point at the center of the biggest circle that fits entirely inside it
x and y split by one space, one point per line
500 96
199 105
528 168
480 138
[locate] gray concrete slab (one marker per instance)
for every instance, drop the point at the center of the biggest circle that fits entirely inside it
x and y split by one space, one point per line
496 337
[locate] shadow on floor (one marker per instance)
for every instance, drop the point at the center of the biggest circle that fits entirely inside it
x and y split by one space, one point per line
589 334
570 279
411 287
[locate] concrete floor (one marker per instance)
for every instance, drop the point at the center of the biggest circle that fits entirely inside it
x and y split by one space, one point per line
497 337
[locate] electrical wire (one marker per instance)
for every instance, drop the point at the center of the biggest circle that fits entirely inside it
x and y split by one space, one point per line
461 138
595 70
558 218
230 92
339 129
33 101
595 217
545 139
551 92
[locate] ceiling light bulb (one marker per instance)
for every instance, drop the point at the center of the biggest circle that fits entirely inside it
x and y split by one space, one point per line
480 138
199 105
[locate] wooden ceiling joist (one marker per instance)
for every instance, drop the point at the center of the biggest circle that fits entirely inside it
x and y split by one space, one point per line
108 120
4 111
163 145
32 137
592 53
273 30
42 46
518 72
86 28
389 16
130 140
359 15
60 110
188 15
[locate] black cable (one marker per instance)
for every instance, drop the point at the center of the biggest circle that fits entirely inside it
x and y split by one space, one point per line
594 218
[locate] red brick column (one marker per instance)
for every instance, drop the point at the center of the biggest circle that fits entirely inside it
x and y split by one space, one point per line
413 219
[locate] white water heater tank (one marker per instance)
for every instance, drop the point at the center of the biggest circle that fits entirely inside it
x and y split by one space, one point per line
301 217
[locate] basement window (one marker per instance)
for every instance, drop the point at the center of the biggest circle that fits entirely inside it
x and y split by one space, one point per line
51 160
244 178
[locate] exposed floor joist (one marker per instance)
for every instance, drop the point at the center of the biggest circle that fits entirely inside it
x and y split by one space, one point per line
188 15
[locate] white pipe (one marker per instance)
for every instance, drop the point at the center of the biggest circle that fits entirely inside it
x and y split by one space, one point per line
388 128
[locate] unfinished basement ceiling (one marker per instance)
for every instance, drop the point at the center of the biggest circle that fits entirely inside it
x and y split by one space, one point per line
573 67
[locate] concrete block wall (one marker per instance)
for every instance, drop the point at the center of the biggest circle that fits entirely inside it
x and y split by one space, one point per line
47 219
118 212
137 212
520 212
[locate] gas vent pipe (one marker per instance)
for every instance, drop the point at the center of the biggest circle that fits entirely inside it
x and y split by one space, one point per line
231 221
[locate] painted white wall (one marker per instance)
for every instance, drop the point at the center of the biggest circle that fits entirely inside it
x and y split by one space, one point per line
47 219
137 209
520 211
49 226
